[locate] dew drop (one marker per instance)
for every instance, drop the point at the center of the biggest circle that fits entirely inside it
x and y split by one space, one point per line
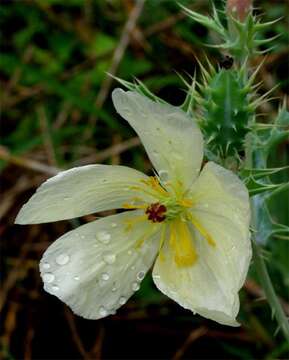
114 289
140 276
62 259
48 277
76 278
55 288
122 300
164 175
105 276
109 258
102 311
46 266
104 237
135 286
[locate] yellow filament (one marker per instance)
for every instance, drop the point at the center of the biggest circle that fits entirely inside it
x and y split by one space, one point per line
185 203
202 231
132 206
155 185
176 187
133 221
181 243
142 239
162 240
145 191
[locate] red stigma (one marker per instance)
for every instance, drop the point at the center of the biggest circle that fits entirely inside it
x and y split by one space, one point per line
156 212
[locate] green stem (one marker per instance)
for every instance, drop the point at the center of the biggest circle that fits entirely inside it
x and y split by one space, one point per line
269 291
261 266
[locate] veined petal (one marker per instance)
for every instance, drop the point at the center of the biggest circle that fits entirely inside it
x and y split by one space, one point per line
172 140
222 208
81 191
220 233
97 267
196 287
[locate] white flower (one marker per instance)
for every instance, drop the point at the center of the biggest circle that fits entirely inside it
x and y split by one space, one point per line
194 225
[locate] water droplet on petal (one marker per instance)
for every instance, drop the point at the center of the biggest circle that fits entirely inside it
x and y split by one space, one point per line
62 259
164 175
102 311
114 289
46 266
55 288
105 276
140 276
135 286
104 237
76 278
122 300
109 258
48 277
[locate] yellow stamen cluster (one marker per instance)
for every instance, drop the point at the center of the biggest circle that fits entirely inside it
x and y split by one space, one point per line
177 221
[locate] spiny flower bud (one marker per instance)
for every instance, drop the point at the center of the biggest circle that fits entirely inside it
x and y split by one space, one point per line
239 9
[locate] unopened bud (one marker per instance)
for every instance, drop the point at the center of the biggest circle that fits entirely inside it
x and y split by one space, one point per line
239 9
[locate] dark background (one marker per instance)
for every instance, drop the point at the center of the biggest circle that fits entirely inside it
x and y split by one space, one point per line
57 113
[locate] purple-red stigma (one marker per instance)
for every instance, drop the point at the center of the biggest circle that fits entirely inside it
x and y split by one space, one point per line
156 212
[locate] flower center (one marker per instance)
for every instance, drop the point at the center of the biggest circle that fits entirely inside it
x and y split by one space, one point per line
156 212
172 213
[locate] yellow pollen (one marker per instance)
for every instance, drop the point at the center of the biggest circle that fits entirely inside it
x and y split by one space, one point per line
202 231
181 243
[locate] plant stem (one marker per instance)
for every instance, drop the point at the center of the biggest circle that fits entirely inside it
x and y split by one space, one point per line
269 290
262 271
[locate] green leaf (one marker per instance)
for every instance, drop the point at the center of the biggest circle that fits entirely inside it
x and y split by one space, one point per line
257 187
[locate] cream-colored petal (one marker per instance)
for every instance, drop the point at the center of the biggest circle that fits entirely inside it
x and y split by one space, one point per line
222 207
210 286
81 191
196 287
171 138
97 267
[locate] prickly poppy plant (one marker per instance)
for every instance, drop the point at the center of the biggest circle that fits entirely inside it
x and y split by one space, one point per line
191 223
